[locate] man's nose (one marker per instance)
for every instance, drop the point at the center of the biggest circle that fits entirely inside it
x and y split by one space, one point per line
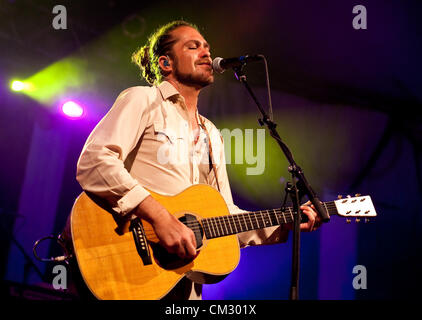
205 53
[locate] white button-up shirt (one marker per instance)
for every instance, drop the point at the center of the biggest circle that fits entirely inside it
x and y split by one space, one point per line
145 141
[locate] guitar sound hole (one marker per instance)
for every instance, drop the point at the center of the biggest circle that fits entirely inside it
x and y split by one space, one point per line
171 261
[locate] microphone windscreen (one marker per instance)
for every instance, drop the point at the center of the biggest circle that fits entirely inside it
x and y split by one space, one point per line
216 65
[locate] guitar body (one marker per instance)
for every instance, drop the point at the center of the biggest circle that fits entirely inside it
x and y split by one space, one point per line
122 259
111 265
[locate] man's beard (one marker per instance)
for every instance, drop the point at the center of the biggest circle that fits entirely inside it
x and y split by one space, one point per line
198 80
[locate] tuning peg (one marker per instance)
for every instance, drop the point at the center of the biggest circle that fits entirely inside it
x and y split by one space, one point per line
357 195
366 220
357 220
339 197
349 196
348 220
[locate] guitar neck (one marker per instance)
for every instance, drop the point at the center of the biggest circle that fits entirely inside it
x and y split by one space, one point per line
221 226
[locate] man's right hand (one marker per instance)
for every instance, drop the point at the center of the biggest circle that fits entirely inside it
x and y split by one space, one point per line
174 236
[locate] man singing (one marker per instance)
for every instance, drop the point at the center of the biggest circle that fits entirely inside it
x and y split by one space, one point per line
125 154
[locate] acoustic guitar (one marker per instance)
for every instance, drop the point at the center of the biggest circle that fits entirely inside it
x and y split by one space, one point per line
122 258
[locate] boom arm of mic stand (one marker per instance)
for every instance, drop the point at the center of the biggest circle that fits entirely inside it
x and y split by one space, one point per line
293 168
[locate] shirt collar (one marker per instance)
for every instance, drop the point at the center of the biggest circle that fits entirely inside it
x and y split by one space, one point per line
167 90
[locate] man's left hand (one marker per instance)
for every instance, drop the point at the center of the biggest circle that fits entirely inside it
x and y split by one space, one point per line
314 220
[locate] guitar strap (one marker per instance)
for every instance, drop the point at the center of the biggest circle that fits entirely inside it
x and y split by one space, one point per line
210 151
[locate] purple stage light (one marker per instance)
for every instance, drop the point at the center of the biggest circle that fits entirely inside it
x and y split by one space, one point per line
72 109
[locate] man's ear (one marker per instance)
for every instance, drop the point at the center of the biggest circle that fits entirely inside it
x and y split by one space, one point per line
165 64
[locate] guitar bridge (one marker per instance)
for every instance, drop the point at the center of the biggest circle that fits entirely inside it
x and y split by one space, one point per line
140 240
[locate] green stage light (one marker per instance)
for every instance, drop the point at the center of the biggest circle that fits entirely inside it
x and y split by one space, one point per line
17 85
261 178
89 71
57 80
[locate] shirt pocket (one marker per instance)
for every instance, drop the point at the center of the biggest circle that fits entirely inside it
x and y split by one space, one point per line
173 149
165 134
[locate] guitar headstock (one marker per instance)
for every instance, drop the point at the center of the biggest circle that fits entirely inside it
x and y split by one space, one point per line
355 207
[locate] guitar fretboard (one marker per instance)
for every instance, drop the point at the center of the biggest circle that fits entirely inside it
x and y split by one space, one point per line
221 226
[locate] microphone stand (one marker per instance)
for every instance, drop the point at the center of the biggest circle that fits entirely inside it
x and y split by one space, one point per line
292 189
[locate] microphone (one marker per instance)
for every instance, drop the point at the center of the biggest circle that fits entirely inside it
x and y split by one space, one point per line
220 65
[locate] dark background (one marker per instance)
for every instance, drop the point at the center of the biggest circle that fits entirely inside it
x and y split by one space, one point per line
347 102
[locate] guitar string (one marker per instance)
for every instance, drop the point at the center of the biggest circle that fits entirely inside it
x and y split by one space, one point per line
260 214
217 226
196 226
237 221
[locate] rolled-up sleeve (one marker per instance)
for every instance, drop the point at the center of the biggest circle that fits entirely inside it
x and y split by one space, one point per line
271 235
100 168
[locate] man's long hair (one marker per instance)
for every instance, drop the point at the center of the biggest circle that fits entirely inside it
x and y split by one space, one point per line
159 43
